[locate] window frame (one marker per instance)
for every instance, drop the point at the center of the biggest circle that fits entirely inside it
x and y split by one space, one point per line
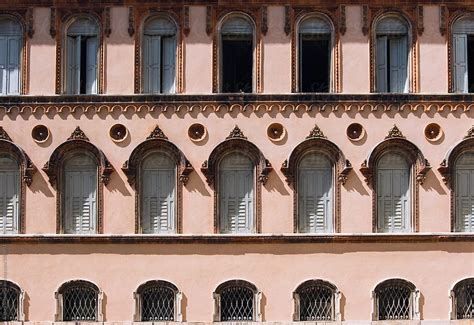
454 298
451 48
336 300
20 296
414 313
59 296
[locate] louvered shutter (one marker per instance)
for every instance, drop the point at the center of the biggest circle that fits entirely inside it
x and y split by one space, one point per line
9 202
465 199
91 65
169 68
398 64
381 63
460 63
3 64
152 66
73 59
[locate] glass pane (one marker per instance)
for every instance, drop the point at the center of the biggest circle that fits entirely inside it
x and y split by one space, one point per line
237 26
83 26
158 161
393 161
79 162
466 161
159 26
391 25
464 25
8 163
314 25
79 304
9 27
235 161
237 304
316 303
157 304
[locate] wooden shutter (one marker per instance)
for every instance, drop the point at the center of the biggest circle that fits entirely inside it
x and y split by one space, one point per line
464 193
169 67
398 64
381 63
9 202
91 62
13 74
152 64
460 63
73 57
3 64
158 201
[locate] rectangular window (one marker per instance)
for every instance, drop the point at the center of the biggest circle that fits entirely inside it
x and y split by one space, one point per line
159 64
82 64
237 64
391 64
314 62
10 65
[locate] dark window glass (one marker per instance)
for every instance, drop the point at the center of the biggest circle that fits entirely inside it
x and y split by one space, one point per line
237 64
315 57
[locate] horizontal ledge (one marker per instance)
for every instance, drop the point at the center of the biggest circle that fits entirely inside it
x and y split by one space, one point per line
249 239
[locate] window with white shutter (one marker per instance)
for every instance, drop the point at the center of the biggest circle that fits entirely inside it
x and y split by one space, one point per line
10 56
159 56
464 192
314 55
82 45
315 194
158 198
393 194
463 55
80 195
236 194
391 55
9 195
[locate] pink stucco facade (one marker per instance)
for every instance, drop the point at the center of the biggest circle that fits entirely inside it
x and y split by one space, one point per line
275 259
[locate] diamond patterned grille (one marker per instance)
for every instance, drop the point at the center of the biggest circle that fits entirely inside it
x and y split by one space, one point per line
465 301
9 303
157 303
316 303
80 304
237 304
394 301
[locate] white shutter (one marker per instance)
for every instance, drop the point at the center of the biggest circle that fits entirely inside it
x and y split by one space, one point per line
381 64
91 68
3 64
13 76
169 68
460 63
398 64
73 54
9 202
465 199
152 64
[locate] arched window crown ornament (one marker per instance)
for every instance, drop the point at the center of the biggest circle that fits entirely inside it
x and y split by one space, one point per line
78 141
317 300
395 141
79 300
156 141
237 142
26 165
446 168
317 141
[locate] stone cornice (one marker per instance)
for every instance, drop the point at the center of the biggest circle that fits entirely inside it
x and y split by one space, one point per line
239 102
249 239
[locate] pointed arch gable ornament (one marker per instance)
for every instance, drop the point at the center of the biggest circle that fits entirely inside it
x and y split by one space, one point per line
317 141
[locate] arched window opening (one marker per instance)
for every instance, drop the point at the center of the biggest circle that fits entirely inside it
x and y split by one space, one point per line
82 45
10 56
396 300
236 192
315 194
317 300
158 301
158 203
80 195
463 300
237 301
315 51
10 302
391 55
464 192
159 56
79 301
9 194
463 55
237 44
393 194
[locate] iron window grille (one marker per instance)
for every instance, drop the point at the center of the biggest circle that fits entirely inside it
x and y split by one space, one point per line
316 300
396 300
237 301
462 297
158 301
79 301
11 302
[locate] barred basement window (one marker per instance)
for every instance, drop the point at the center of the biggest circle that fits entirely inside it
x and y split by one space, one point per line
158 301
237 300
316 300
11 302
463 300
79 301
396 299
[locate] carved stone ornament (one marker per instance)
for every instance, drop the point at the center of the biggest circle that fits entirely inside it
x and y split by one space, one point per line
395 132
4 135
236 133
470 133
77 142
316 133
131 21
157 133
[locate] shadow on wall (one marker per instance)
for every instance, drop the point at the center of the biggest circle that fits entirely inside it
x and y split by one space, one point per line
274 183
342 305
196 184
354 184
26 306
432 183
40 184
117 184
263 304
184 305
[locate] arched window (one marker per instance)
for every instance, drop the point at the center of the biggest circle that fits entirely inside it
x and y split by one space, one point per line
315 194
393 193
236 193
314 54
81 56
158 301
237 59
10 56
80 194
396 299
11 302
159 55
237 300
391 55
464 192
317 300
463 54
462 297
79 301
9 194
158 198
